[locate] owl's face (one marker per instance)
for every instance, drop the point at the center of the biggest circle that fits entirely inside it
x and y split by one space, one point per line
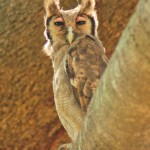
68 25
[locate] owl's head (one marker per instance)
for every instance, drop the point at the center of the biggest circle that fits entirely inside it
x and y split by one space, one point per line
67 25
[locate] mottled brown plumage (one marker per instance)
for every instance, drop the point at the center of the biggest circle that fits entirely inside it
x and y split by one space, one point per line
85 65
78 59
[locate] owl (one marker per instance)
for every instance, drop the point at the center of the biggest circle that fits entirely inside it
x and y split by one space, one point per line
78 59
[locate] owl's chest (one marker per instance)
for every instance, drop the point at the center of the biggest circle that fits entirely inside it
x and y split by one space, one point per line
61 87
60 78
67 107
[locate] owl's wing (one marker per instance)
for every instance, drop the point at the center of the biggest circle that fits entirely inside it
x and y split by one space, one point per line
85 64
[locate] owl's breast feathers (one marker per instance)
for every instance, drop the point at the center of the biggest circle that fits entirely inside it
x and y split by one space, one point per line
85 64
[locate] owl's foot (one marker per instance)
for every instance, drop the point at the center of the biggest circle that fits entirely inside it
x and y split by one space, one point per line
65 147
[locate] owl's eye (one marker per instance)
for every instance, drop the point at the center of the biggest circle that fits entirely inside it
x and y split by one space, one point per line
59 23
81 22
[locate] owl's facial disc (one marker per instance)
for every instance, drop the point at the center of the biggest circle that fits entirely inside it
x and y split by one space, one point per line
80 21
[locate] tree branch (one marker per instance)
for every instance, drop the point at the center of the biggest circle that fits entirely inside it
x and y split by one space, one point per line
119 114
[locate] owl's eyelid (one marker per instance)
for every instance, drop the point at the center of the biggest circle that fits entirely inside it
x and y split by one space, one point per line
59 19
80 18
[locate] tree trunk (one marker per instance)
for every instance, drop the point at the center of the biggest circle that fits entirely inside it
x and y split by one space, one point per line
28 119
119 115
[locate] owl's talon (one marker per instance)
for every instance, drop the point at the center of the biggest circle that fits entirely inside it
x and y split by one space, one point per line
65 147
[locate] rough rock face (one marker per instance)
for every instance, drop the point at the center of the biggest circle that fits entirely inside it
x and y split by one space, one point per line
28 119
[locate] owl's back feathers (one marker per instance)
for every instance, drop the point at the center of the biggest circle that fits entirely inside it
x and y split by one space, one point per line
85 64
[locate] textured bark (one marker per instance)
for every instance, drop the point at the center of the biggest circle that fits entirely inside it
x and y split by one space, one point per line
28 119
119 115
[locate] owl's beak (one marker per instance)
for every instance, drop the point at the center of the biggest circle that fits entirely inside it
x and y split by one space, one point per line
70 34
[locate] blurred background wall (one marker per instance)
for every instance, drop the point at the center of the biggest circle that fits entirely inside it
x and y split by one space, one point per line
28 119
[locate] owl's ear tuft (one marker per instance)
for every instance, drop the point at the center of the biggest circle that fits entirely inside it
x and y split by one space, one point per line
87 7
52 7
